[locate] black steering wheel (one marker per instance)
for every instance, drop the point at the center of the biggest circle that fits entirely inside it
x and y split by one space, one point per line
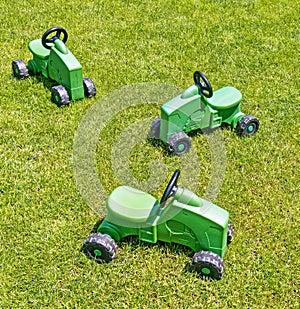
171 188
59 31
202 82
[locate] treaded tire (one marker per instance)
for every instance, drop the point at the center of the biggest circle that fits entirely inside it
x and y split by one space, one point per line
248 125
19 69
208 265
230 234
89 88
155 129
179 143
60 96
100 248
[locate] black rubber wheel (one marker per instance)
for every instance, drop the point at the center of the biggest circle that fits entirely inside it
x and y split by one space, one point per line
203 84
100 248
19 69
60 96
230 234
58 31
171 188
248 125
208 265
155 129
89 88
179 143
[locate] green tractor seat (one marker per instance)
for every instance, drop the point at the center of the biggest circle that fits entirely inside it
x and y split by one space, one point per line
225 98
129 204
38 49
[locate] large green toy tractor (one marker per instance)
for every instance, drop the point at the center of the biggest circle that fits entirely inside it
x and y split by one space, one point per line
180 217
54 60
198 107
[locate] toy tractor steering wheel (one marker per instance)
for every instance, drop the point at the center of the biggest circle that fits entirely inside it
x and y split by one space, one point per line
171 188
59 31
202 82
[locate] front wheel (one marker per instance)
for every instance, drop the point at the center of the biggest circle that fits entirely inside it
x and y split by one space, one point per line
60 96
208 265
179 143
89 88
230 233
248 125
20 69
100 248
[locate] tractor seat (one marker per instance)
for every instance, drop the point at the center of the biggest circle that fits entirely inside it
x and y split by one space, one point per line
38 49
224 98
129 204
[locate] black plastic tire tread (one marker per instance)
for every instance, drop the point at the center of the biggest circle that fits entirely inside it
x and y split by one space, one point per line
89 87
207 259
230 234
62 94
102 242
155 129
245 122
176 139
20 69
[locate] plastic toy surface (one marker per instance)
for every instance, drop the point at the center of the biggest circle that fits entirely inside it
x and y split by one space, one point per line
198 107
54 60
180 217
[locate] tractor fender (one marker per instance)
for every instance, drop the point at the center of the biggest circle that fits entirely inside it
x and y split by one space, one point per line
110 229
237 117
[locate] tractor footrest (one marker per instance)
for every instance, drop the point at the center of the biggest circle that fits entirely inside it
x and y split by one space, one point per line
148 234
216 122
190 128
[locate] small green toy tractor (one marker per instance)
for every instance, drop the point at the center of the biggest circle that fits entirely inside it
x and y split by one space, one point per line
180 217
54 60
198 107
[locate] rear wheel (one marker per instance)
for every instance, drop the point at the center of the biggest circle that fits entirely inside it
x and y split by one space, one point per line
89 88
60 96
208 265
179 143
19 69
155 129
248 125
100 248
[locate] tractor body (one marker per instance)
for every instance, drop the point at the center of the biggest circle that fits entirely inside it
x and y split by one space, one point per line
53 60
191 111
187 219
58 64
179 217
194 109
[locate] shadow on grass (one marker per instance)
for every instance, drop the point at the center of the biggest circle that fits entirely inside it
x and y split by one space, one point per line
47 82
135 243
40 79
157 143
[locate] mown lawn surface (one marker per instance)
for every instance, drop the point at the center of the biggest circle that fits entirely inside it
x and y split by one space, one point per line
252 45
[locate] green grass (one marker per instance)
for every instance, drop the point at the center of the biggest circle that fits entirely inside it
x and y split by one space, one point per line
252 45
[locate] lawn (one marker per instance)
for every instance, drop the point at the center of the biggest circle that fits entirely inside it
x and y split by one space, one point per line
45 212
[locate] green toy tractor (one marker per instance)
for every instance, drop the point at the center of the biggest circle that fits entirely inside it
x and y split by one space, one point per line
180 217
54 60
198 107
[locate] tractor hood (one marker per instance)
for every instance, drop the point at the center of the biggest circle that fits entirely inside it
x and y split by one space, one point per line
208 210
182 100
